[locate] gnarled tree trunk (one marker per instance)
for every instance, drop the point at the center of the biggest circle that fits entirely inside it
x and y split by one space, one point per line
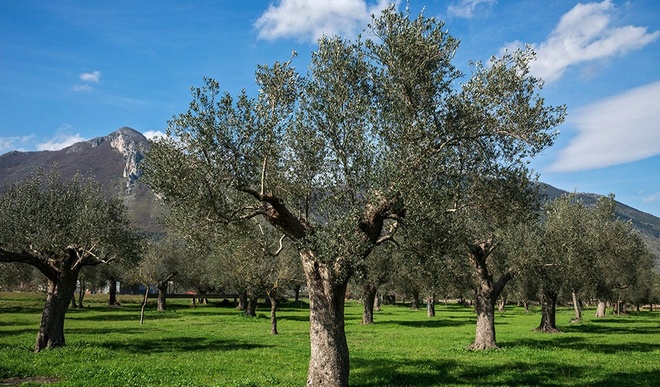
61 290
112 292
242 300
368 299
415 300
251 309
329 361
81 294
576 307
273 314
162 296
600 309
486 295
501 304
430 305
548 309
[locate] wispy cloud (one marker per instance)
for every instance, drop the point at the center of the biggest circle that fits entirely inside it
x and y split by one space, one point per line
652 198
153 134
14 143
60 141
584 34
82 88
308 20
466 8
616 130
94 77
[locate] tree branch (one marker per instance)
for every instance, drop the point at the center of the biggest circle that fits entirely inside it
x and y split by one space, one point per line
35 260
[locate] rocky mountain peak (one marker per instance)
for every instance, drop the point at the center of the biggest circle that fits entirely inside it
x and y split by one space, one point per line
132 145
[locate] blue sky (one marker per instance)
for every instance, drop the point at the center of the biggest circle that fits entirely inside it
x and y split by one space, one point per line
75 70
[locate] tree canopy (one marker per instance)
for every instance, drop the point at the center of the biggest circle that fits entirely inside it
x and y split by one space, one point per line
376 130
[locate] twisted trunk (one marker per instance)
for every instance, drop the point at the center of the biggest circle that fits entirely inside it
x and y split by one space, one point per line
162 297
548 309
415 300
61 290
576 307
600 309
368 300
486 295
112 292
273 314
501 304
430 305
329 361
251 309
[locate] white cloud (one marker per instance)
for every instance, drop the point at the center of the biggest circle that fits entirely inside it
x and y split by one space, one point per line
153 134
82 88
13 143
60 141
309 20
94 77
585 34
617 130
652 198
466 8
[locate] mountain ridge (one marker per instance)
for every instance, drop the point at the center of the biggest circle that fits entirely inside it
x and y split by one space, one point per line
114 161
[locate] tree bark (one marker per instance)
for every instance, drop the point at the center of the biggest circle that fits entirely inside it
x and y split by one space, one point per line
501 304
329 361
430 305
145 297
415 300
368 299
377 301
600 309
61 290
112 292
486 295
162 297
548 309
242 300
273 314
577 307
296 291
81 294
251 309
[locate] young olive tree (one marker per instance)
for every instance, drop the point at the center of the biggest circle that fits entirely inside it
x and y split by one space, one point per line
336 158
59 227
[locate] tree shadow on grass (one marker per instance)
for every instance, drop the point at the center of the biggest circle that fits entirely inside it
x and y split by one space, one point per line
385 372
21 310
187 344
436 322
621 327
580 344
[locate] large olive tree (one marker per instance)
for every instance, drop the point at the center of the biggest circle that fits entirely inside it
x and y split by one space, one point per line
335 159
59 227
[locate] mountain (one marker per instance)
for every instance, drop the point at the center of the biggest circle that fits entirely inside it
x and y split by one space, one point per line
646 224
112 160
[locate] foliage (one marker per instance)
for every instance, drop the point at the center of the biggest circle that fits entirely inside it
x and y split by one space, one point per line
48 219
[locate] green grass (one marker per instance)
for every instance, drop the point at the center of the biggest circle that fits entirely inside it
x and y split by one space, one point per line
213 346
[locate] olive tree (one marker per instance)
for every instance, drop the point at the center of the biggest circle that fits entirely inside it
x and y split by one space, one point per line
335 159
60 227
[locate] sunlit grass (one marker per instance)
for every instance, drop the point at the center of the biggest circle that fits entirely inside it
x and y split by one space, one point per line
210 345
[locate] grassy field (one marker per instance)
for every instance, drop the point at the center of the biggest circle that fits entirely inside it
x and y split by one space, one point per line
214 346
